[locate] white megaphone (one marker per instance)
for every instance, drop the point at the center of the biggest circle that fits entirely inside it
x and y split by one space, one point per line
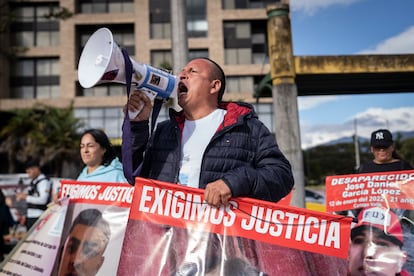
102 61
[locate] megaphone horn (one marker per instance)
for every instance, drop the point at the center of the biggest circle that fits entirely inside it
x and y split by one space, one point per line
102 61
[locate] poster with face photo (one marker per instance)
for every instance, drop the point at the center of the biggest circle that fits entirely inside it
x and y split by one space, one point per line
185 236
94 227
382 204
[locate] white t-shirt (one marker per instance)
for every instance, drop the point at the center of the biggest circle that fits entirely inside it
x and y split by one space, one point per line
195 138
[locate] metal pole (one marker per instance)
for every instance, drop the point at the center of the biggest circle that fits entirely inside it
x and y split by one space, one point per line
356 145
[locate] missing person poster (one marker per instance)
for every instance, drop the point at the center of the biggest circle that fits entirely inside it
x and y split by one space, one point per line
82 235
382 205
172 231
354 191
94 227
37 251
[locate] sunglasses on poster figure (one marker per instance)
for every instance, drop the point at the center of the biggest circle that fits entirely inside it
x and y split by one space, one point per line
102 61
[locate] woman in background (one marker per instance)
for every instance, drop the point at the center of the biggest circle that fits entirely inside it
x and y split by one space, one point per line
99 157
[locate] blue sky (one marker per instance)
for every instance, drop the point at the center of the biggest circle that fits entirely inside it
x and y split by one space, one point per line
348 27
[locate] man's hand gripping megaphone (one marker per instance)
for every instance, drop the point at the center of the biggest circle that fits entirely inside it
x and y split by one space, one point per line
139 105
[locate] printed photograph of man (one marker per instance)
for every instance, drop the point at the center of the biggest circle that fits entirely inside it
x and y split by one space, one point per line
376 244
85 245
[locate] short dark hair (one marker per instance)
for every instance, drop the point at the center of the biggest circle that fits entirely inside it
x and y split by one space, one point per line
102 139
218 73
32 162
92 217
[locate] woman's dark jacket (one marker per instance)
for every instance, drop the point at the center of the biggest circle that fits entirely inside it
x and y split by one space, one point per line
243 153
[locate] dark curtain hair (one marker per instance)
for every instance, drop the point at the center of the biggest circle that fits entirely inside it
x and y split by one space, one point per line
102 139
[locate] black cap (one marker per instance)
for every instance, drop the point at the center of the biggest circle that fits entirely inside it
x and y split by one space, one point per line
381 138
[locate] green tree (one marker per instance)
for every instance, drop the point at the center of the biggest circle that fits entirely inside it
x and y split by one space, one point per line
407 150
47 133
328 160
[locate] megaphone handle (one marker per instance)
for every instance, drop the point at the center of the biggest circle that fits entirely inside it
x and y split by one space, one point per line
150 94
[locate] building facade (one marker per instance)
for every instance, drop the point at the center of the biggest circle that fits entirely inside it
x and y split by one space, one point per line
42 41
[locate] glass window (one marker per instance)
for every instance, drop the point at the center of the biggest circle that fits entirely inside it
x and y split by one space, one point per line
85 7
197 25
35 78
23 39
259 38
242 30
81 112
95 112
240 84
245 42
23 92
42 30
41 11
244 56
260 58
23 68
160 19
108 119
102 90
230 56
265 113
259 42
43 92
46 67
160 30
228 4
161 59
124 39
106 6
198 53
117 90
246 84
238 56
232 85
246 4
25 14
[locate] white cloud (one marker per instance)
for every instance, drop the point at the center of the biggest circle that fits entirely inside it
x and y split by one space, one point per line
397 119
314 101
402 43
310 7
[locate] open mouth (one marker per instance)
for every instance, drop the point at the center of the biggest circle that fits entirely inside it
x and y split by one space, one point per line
182 89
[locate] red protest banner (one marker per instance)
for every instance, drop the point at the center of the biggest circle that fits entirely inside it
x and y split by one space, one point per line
245 217
102 193
387 189
170 230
